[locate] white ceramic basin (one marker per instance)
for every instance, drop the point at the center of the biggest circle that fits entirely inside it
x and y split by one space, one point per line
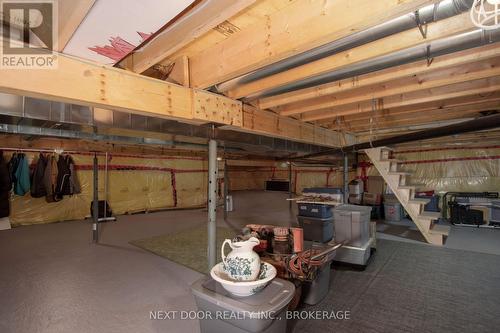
244 288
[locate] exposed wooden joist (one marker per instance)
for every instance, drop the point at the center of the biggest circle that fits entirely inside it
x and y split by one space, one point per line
298 27
271 124
380 77
458 103
429 95
451 26
204 17
180 71
87 83
70 14
421 117
390 132
415 83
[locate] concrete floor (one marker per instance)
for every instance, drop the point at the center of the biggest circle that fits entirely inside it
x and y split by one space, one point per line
481 240
53 279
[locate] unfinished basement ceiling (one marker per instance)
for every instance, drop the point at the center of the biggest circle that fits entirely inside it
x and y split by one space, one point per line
113 28
411 71
326 73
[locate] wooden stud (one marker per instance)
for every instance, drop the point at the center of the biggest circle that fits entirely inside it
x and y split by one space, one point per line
71 13
456 59
443 93
300 26
204 17
444 28
416 83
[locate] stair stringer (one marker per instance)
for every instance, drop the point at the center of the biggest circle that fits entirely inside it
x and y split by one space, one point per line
404 195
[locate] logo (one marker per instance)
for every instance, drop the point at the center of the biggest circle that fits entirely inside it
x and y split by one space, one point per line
29 34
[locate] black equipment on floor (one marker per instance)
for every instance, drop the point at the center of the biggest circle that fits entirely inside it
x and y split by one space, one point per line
104 210
470 208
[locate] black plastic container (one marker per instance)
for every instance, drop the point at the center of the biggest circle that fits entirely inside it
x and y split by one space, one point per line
315 210
316 229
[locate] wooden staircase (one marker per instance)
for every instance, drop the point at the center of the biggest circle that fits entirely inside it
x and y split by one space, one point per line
396 180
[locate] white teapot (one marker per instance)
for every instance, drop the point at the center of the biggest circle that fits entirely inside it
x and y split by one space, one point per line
242 263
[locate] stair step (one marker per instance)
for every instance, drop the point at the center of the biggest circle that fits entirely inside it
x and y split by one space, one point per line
419 201
407 187
440 229
429 215
387 148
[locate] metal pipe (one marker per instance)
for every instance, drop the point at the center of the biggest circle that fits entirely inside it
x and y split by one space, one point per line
424 51
346 178
212 203
425 15
106 185
289 185
226 189
95 201
479 124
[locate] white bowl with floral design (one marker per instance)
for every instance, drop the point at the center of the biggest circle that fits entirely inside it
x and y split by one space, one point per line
244 288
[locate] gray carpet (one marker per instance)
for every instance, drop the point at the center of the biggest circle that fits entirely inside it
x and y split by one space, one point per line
187 247
414 288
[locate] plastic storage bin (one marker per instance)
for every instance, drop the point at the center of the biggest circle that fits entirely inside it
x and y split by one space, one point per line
262 312
314 210
393 211
356 186
495 210
316 229
433 205
352 224
314 292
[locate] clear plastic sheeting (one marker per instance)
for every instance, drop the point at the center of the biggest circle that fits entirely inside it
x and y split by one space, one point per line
135 183
302 177
452 169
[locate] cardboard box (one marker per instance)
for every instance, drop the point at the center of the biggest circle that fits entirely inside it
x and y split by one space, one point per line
372 199
375 184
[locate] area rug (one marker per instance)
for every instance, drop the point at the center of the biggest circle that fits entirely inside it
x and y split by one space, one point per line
413 288
188 247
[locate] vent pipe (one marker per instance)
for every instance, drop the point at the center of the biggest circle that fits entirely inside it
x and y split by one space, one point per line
425 15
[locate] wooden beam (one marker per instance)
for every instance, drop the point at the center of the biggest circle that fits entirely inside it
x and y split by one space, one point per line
379 77
464 102
180 71
201 19
87 83
271 124
434 79
430 95
71 13
444 28
299 27
422 117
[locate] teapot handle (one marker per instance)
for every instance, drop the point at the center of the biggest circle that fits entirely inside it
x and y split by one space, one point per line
223 256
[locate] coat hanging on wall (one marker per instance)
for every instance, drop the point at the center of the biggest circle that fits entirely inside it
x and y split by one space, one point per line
38 189
22 176
50 179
